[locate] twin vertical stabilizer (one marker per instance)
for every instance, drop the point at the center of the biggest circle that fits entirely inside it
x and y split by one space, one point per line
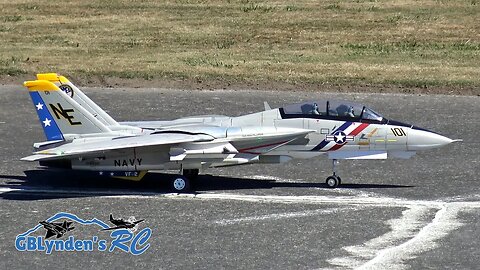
60 114
83 100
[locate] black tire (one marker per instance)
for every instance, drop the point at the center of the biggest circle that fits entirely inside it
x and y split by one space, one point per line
332 181
339 180
181 184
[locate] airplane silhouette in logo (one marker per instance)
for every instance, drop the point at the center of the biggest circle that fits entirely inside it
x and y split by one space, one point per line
56 228
123 224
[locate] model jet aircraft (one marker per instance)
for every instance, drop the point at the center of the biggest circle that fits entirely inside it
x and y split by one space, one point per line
123 224
82 136
56 228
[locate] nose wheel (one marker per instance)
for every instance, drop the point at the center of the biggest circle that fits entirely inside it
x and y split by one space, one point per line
334 180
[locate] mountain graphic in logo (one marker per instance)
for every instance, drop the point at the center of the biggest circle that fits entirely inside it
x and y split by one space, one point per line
73 217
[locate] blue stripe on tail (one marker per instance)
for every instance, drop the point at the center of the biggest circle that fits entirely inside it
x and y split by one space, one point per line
46 120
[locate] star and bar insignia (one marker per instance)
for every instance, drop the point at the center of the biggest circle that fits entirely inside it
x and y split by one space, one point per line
339 137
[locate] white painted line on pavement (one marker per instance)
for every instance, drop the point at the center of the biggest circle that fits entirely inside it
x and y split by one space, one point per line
277 216
411 234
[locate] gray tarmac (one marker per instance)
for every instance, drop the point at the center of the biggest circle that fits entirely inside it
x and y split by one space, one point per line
394 214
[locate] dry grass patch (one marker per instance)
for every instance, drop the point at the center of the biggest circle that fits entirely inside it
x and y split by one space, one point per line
415 43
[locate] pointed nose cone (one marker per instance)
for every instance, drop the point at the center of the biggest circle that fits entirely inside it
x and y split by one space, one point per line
424 139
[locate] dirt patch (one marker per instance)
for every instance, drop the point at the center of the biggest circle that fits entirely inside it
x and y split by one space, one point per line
200 84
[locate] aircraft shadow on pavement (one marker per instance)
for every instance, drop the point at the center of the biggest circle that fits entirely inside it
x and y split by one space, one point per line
73 184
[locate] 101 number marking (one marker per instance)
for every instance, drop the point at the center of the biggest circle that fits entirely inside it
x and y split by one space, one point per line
398 132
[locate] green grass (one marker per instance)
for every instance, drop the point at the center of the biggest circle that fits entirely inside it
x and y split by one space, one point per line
412 43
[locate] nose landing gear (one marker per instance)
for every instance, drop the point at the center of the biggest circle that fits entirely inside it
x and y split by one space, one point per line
334 180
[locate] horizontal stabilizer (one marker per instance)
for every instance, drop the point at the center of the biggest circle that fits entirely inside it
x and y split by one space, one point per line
47 143
119 143
36 157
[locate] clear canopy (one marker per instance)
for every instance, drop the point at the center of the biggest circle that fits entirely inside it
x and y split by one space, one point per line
340 109
371 114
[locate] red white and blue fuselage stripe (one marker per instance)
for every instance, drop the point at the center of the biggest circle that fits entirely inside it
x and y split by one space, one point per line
349 128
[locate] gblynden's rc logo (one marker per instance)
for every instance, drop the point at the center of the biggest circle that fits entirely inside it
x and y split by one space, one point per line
58 236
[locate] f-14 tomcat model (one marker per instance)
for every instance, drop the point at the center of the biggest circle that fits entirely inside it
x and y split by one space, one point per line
56 228
82 136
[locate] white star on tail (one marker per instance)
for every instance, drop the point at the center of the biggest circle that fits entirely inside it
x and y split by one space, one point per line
39 106
46 123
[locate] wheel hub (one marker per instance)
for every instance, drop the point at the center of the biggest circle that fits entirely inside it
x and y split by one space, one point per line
331 182
179 184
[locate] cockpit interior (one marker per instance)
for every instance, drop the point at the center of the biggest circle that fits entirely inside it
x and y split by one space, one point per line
332 110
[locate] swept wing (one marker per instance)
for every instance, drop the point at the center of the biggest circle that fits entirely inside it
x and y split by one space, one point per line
82 147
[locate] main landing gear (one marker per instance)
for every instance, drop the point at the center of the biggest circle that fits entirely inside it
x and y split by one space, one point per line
182 183
334 180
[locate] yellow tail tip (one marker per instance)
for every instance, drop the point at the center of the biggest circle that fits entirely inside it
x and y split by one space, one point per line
53 77
40 85
47 76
